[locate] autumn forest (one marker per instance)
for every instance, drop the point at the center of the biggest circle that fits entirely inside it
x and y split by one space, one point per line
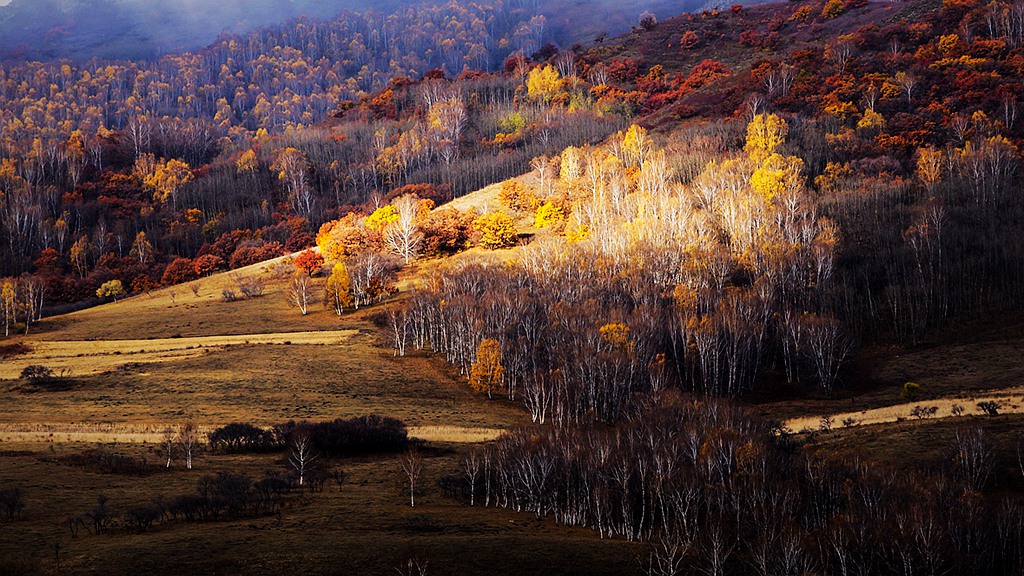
730 290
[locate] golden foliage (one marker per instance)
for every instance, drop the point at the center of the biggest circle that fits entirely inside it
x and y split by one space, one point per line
832 9
765 133
338 289
381 218
777 174
247 162
514 195
636 145
340 238
577 233
497 230
543 83
487 373
110 289
833 174
617 336
871 120
548 214
571 167
929 166
167 178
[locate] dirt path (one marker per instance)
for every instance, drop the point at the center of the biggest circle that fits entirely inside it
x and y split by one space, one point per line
1010 399
153 434
86 357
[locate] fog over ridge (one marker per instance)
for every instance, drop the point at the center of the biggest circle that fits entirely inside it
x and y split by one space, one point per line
115 29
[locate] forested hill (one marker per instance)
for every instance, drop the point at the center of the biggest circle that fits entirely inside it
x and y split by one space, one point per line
133 29
117 170
82 29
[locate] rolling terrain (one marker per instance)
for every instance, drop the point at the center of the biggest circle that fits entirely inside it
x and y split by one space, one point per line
750 304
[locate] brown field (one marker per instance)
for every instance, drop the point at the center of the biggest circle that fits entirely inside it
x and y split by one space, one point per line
929 445
147 362
365 528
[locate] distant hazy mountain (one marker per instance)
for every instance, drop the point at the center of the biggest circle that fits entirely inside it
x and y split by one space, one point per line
82 29
79 29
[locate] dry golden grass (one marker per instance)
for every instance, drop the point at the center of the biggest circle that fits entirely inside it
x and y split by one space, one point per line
150 362
482 201
1010 400
455 434
88 357
32 434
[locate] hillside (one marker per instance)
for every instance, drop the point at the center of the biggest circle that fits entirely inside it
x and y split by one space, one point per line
737 292
133 363
79 30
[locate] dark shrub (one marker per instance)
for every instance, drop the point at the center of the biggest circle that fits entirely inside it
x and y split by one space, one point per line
12 502
241 437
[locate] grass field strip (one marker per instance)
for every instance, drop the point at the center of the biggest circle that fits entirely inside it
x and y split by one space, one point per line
84 357
1010 401
116 433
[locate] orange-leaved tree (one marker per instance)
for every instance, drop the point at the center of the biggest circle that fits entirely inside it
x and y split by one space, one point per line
309 262
487 373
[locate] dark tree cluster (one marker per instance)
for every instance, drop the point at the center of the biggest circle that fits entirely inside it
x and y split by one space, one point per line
357 436
12 502
711 488
225 495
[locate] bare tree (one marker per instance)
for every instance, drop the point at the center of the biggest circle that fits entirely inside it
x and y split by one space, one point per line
167 439
412 465
413 567
301 456
542 164
471 470
403 236
907 83
827 346
666 556
301 292
973 457
188 439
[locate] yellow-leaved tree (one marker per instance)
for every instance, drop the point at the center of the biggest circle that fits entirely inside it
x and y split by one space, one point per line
871 120
514 195
548 214
636 145
167 178
487 373
765 133
543 83
929 167
381 218
8 300
571 166
338 289
617 336
497 230
777 174
110 289
248 162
